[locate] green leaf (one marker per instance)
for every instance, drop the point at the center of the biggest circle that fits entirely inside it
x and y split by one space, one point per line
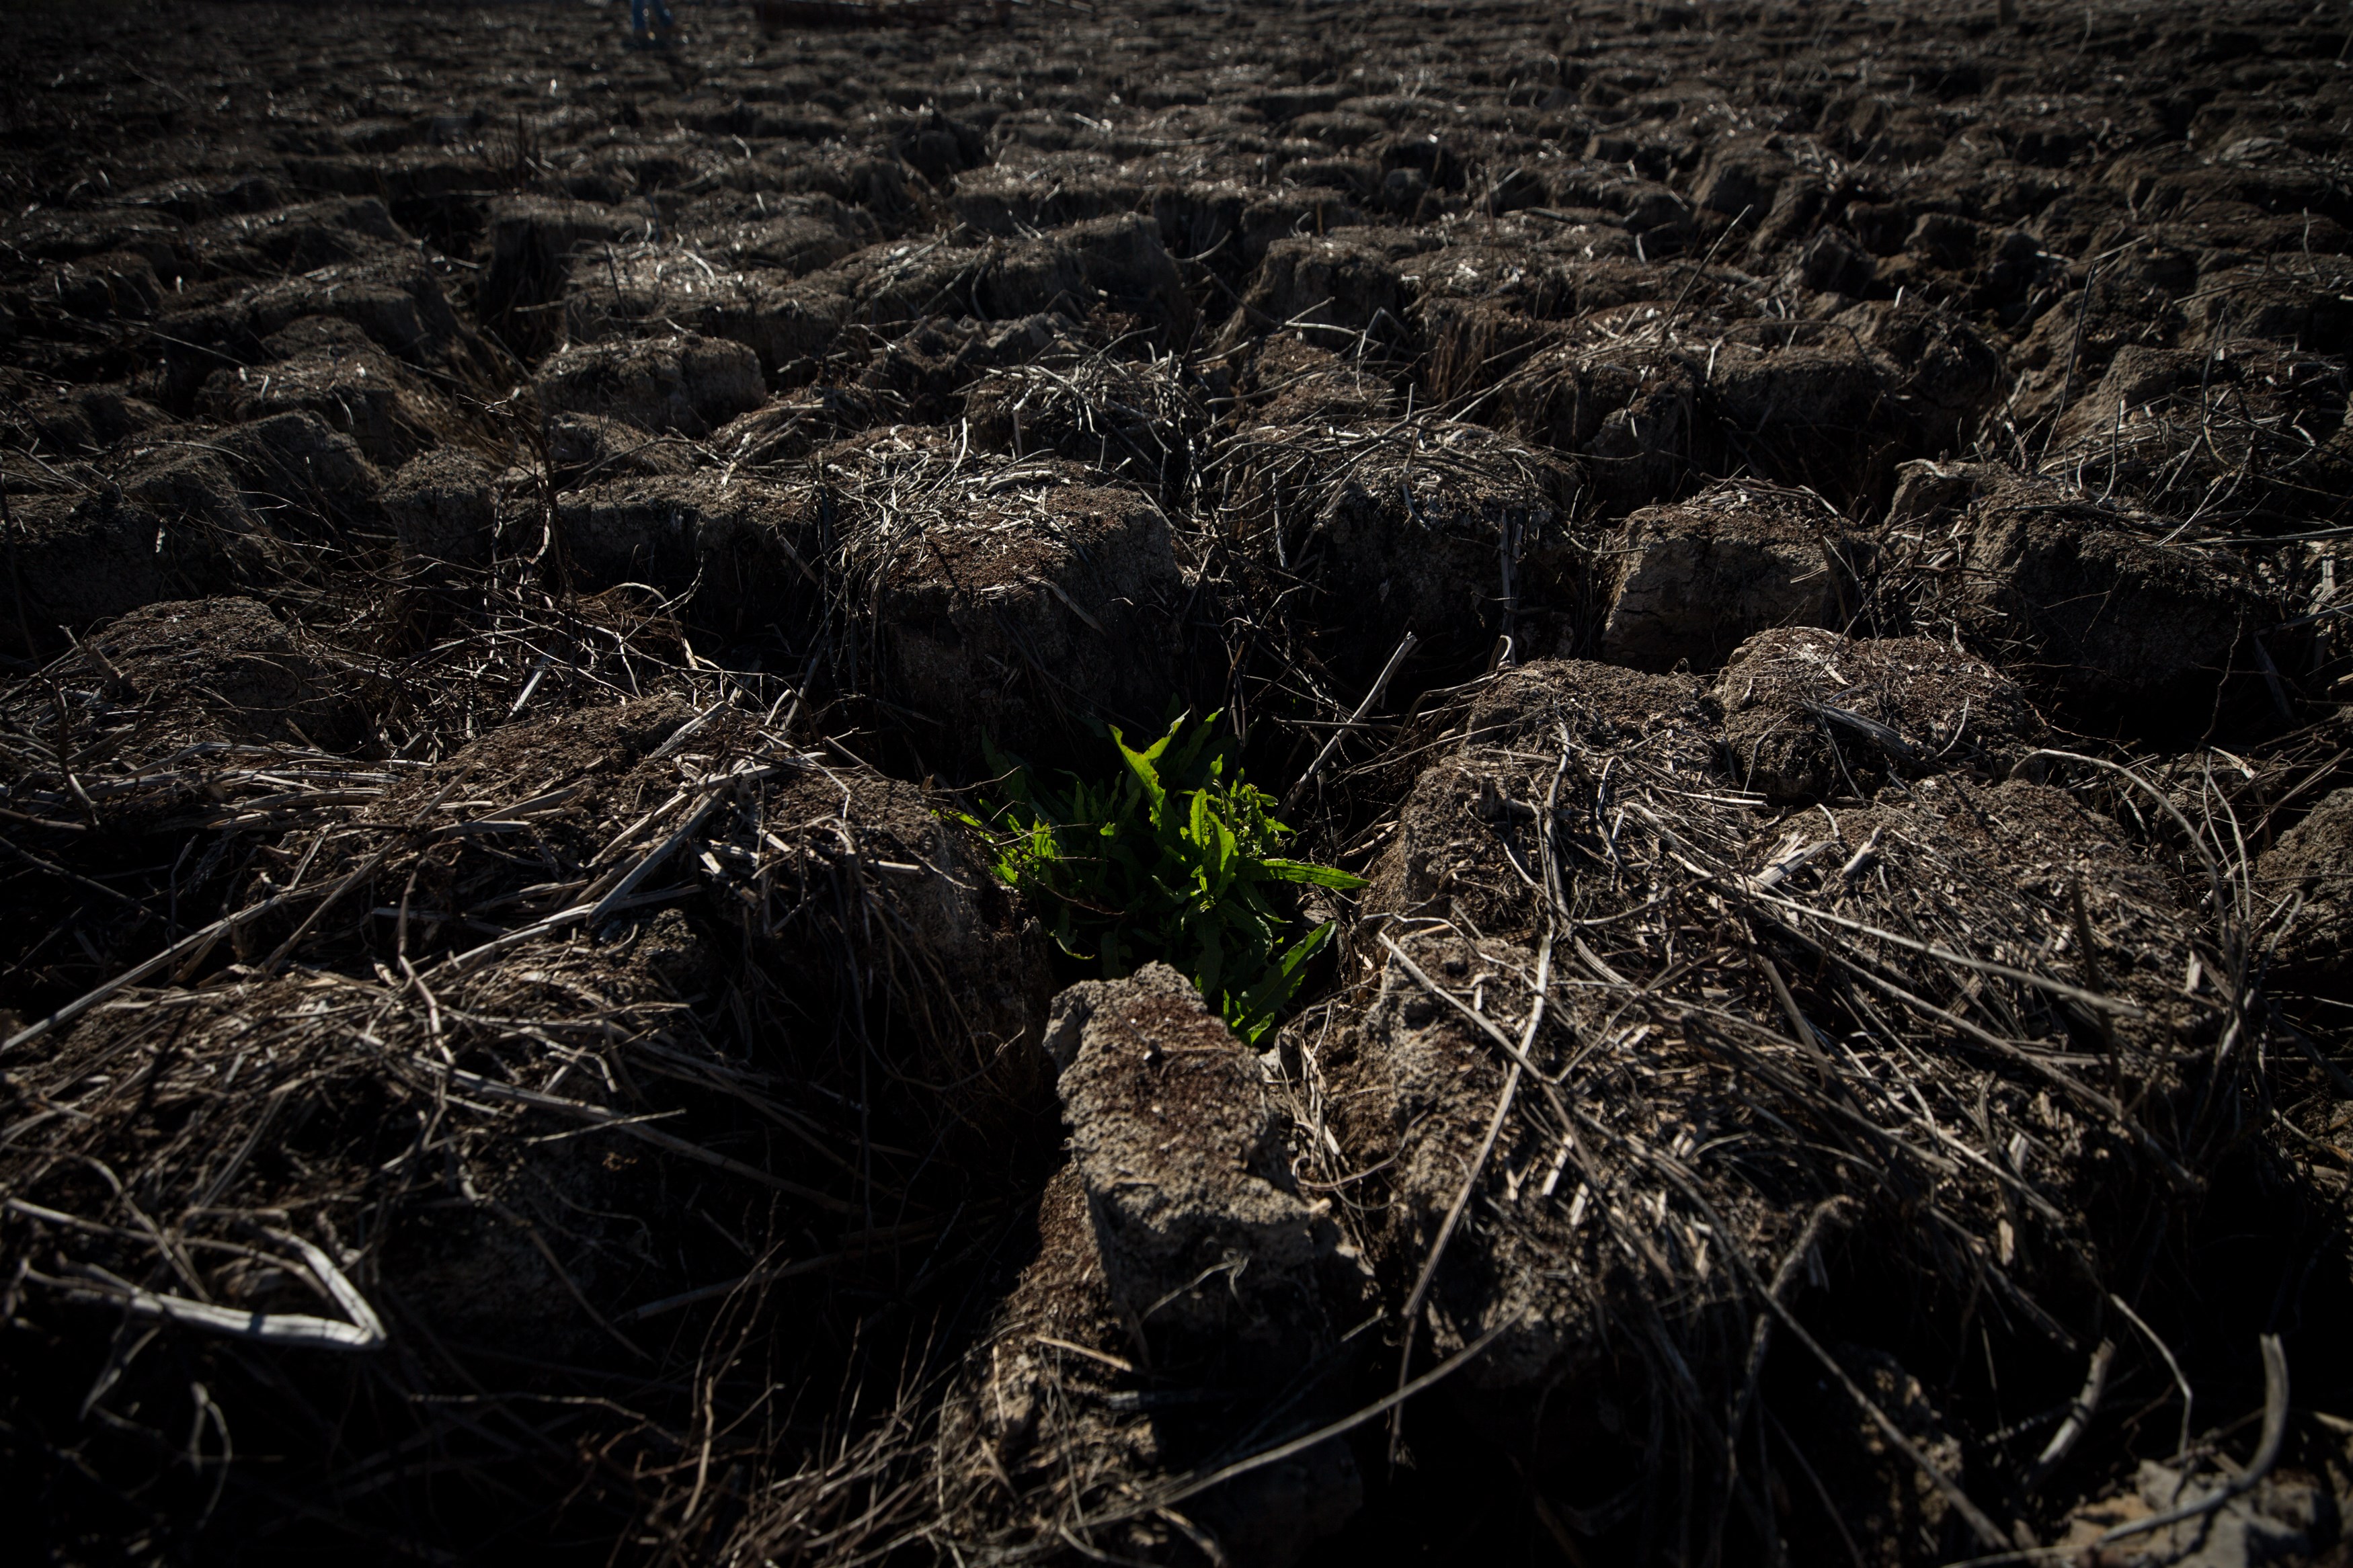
1140 768
1307 871
1264 1002
1209 966
1308 946
1165 858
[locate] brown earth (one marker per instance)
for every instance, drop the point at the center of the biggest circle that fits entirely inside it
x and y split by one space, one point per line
1795 548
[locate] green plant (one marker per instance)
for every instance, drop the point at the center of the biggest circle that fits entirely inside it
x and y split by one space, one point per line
1168 858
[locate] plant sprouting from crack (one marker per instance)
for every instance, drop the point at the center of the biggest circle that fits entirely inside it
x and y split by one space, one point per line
1170 857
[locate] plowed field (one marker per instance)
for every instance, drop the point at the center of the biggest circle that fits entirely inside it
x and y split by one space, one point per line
1792 553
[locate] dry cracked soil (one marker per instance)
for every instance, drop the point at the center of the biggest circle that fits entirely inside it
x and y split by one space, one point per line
1794 547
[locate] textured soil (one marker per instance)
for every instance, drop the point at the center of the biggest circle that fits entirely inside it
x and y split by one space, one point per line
459 426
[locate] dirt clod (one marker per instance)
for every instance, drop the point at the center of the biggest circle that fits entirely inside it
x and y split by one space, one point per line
1810 713
1007 602
1174 1251
735 553
1179 1160
222 670
1689 583
2116 614
688 384
443 505
2312 866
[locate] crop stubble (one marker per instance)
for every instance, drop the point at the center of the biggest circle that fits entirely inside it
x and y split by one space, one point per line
1796 547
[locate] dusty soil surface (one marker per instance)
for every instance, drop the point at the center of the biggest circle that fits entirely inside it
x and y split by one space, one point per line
1830 523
